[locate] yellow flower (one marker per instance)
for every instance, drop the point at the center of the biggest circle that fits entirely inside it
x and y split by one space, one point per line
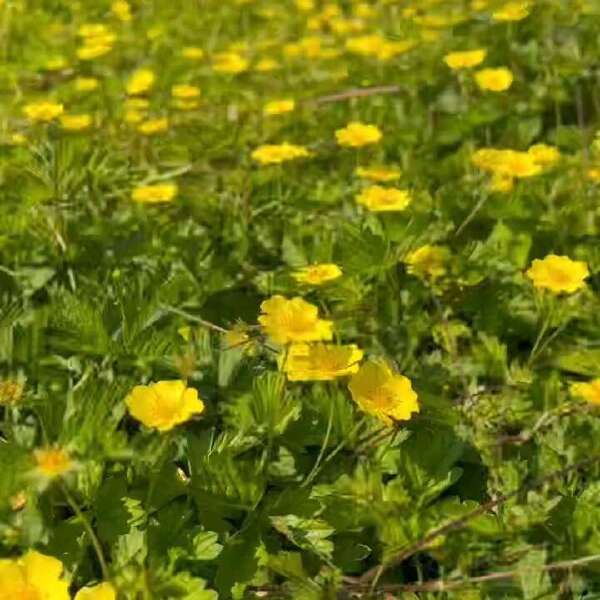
93 31
544 155
192 53
264 65
134 116
320 362
512 11
508 163
366 45
154 126
427 261
185 91
34 576
588 391
273 154
52 462
155 194
140 82
593 174
494 80
379 174
295 320
379 391
44 111
318 274
11 392
163 405
230 62
502 183
558 274
381 199
103 591
278 107
357 134
75 122
466 59
91 51
122 10
86 84
185 104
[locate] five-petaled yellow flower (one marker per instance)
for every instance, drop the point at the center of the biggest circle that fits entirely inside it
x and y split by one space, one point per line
230 62
357 134
558 274
379 174
34 576
279 107
140 82
428 261
102 591
293 320
43 112
379 391
382 199
155 194
320 362
164 405
318 274
274 154
465 59
494 80
589 391
51 463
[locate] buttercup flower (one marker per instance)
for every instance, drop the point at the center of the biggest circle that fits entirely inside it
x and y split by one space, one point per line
512 11
122 10
357 134
507 163
427 261
465 59
378 174
379 391
155 194
494 80
501 183
92 51
320 362
185 91
273 154
295 320
558 274
381 199
11 392
86 84
544 155
264 65
317 274
34 576
588 391
230 62
154 126
51 463
140 82
75 122
44 111
279 107
163 405
103 591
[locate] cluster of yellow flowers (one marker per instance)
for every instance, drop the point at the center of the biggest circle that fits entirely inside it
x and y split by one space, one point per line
497 79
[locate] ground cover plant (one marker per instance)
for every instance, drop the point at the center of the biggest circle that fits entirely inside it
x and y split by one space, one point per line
299 299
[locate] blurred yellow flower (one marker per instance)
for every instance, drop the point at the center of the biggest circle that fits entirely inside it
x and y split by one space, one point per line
91 51
427 261
11 392
507 163
33 576
164 405
379 391
122 10
154 126
293 320
56 64
52 462
279 107
588 391
264 65
103 591
512 11
382 199
494 80
465 59
86 84
380 174
318 274
273 154
544 155
192 53
558 274
155 194
185 91
357 134
230 62
76 122
320 362
140 82
44 111
501 183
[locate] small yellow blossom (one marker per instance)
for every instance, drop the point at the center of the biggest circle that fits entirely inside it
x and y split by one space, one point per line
33 576
265 65
320 362
11 392
318 274
428 261
133 116
544 155
154 126
593 174
192 53
273 154
558 274
140 82
163 405
52 462
378 174
293 320
93 31
185 91
86 84
279 107
512 11
494 80
92 51
379 391
44 111
230 62
381 199
122 10
588 391
357 134
155 194
465 59
507 163
75 122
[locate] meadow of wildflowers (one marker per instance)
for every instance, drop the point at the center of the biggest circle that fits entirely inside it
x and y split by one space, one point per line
299 299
